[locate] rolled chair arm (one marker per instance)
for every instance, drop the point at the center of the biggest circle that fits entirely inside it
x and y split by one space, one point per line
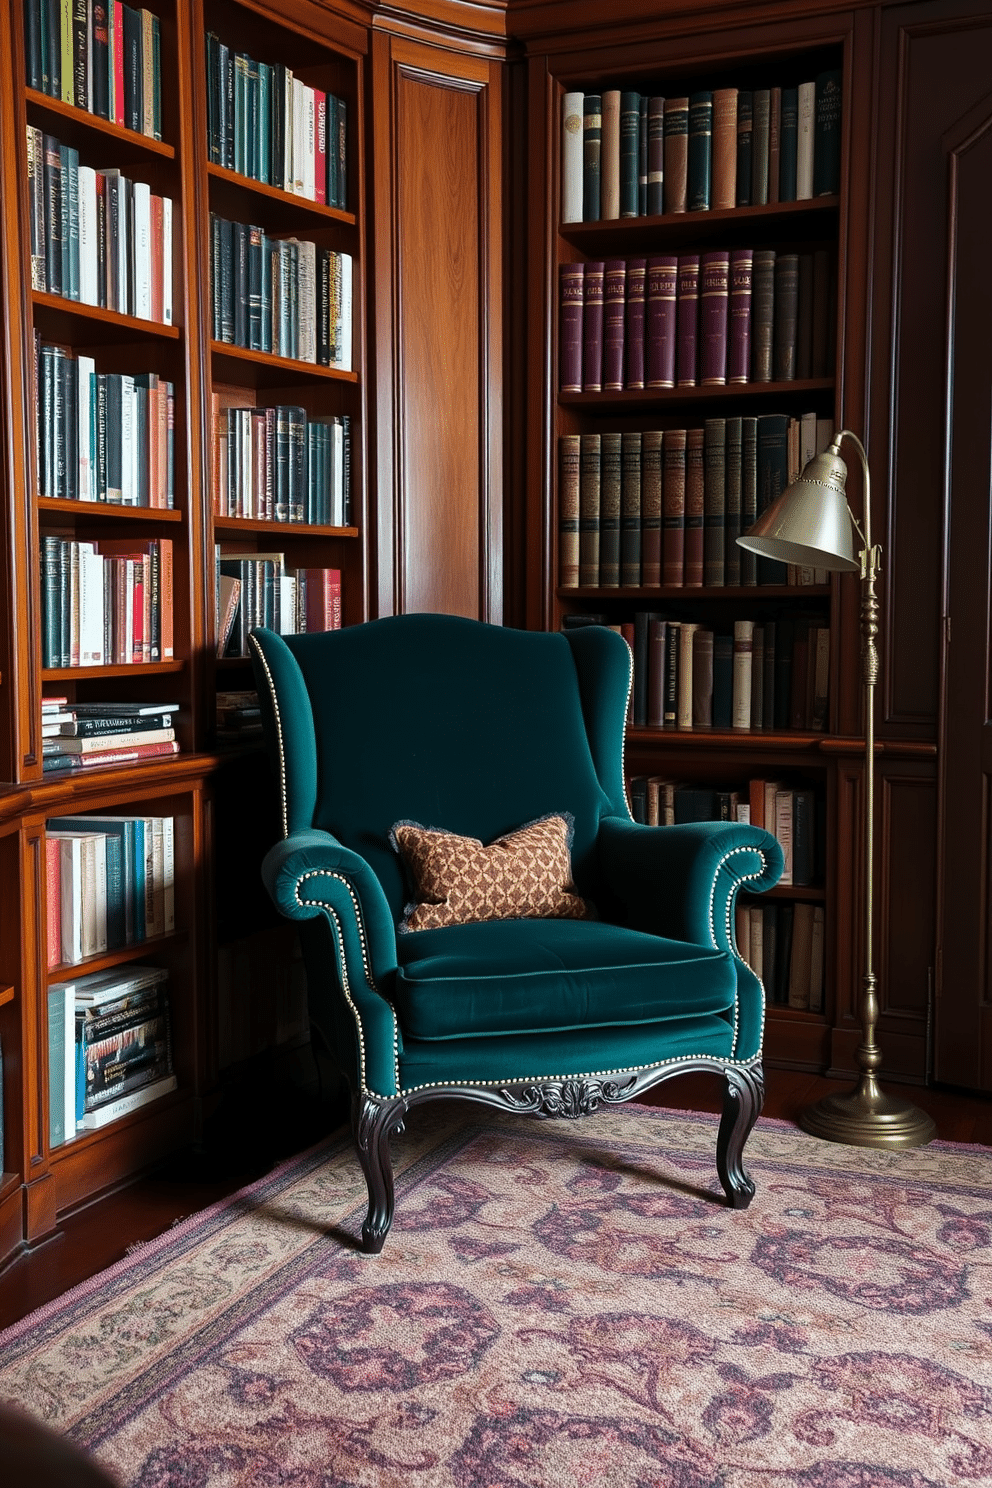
681 882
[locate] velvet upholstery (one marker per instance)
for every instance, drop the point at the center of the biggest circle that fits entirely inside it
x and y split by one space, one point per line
476 730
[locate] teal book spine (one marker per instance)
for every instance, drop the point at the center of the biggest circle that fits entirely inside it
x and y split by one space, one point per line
630 113
789 145
264 124
56 1066
827 133
700 154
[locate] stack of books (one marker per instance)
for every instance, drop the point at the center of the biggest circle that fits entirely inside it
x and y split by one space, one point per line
281 295
109 1048
109 882
105 58
239 717
278 464
631 154
97 237
784 946
78 736
267 124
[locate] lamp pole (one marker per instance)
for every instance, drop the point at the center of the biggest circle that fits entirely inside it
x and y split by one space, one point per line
866 1116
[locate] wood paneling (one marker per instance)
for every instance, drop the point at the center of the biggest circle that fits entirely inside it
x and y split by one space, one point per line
438 202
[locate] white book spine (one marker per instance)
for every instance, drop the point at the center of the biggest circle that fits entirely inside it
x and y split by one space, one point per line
86 370
88 292
74 604
307 301
151 902
142 251
337 473
158 859
684 716
90 606
133 1101
783 831
297 136
99 847
71 897
310 143
741 695
804 144
342 326
289 95
167 259
571 157
168 874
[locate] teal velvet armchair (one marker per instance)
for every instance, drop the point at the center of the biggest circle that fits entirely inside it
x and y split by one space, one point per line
478 730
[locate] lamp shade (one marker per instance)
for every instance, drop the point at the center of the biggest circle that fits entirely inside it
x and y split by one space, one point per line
811 522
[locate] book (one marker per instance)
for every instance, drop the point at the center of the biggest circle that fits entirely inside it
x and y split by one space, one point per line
702 678
592 326
741 687
816 959
733 479
660 328
801 957
614 323
676 154
89 744
786 317
714 501
774 142
630 508
789 144
687 319
571 156
572 295
762 314
827 133
761 112
652 499
745 135
695 507
114 1110
569 459
592 140
61 1064
636 293
739 315
724 148
610 497
655 196
609 169
806 124
714 307
590 465
657 650
630 136
699 152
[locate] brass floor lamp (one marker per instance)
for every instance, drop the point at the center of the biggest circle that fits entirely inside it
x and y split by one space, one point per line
811 523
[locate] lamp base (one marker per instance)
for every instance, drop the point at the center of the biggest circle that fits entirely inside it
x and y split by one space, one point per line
867 1117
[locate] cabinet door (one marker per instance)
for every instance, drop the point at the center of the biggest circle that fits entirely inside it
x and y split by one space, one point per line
438 329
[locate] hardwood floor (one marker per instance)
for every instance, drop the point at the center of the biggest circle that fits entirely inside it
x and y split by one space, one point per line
95 1237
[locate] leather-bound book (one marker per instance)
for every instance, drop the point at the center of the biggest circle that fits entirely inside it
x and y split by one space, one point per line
745 136
609 510
614 323
804 141
569 456
592 328
592 146
695 495
826 134
687 320
786 317
762 314
651 507
634 328
700 152
749 495
661 329
590 464
673 506
702 678
739 316
657 653
609 202
774 142
723 680
724 172
732 516
672 652
630 127
773 477
759 146
676 154
714 500
656 157
789 144
630 508
714 306
740 717
572 295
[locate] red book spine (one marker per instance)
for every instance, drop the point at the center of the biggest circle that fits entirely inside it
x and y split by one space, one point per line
739 335
614 323
332 598
660 334
687 319
634 328
137 610
572 292
53 904
118 62
714 306
694 506
124 756
592 328
673 507
320 146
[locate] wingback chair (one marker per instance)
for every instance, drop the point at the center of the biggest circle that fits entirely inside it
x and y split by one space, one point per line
409 753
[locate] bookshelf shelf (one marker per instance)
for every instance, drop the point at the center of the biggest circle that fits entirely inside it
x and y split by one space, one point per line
732 593
77 126
235 526
808 219
133 671
59 318
7 994
103 509
292 207
745 741
637 400
121 957
263 369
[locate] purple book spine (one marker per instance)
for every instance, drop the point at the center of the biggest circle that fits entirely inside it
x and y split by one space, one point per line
687 318
636 291
663 273
592 329
570 328
714 305
614 323
739 348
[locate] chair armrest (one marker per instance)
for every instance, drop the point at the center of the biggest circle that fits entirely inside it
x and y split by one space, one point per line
681 882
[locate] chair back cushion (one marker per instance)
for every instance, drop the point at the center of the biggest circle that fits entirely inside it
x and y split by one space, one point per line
472 728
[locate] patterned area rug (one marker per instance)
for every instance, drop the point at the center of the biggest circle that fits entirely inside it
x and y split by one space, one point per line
558 1303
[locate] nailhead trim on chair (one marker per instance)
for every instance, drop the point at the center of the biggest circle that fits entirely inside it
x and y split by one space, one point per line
747 878
282 756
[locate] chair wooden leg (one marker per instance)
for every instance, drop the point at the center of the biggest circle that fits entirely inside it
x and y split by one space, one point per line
743 1095
373 1122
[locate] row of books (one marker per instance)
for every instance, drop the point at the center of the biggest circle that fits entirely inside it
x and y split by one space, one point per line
103 436
749 674
261 589
109 1048
99 55
239 716
727 316
279 465
282 295
107 602
96 236
267 124
652 507
784 946
630 154
110 882
793 815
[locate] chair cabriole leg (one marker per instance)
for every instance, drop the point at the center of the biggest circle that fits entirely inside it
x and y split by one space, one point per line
373 1123
743 1096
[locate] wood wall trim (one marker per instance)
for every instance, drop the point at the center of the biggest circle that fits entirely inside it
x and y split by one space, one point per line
555 26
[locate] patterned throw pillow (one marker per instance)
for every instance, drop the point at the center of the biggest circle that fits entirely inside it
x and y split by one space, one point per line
455 880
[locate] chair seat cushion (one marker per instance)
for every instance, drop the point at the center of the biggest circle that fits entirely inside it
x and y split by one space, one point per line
524 976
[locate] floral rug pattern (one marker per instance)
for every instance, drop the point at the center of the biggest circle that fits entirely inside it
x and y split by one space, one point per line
558 1303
